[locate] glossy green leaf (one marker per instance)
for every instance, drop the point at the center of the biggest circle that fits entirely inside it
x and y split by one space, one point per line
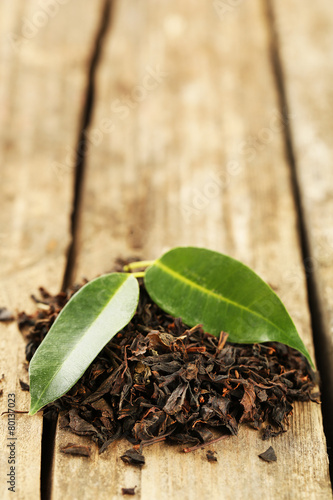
221 293
88 321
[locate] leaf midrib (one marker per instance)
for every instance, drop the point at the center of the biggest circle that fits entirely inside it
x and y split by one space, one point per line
213 294
85 333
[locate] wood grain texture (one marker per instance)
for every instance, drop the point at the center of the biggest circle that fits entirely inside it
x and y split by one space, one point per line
194 155
306 41
44 63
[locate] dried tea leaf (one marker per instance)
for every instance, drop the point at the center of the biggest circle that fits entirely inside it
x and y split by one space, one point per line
80 426
133 457
221 293
24 385
211 456
128 491
248 401
268 455
6 315
126 389
76 449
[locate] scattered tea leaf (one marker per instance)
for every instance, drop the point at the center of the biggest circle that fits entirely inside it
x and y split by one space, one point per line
210 455
6 315
76 449
133 457
268 455
80 426
88 321
24 385
221 293
128 491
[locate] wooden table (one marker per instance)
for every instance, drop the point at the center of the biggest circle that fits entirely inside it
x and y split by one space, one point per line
129 127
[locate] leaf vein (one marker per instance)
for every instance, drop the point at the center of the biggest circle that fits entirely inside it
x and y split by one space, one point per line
70 353
193 284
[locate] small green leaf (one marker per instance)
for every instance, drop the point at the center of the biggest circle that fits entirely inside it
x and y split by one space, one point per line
88 321
221 293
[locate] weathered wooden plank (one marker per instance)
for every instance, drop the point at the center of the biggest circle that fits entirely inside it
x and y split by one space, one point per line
44 61
187 149
306 40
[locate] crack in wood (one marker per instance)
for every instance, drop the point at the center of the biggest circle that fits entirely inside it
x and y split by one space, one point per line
81 149
49 423
48 442
319 338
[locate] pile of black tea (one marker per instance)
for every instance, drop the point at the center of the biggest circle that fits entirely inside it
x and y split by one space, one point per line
160 380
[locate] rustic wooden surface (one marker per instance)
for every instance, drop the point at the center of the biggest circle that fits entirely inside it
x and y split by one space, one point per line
198 159
311 125
42 90
187 146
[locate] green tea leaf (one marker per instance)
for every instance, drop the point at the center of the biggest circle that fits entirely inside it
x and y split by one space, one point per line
221 293
88 321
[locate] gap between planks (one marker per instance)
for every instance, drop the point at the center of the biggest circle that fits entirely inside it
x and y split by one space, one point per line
321 353
50 424
82 144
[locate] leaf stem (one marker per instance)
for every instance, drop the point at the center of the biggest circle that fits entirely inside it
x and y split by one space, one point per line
137 265
139 274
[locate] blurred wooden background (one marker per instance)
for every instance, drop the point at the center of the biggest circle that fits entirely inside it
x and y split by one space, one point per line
132 126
